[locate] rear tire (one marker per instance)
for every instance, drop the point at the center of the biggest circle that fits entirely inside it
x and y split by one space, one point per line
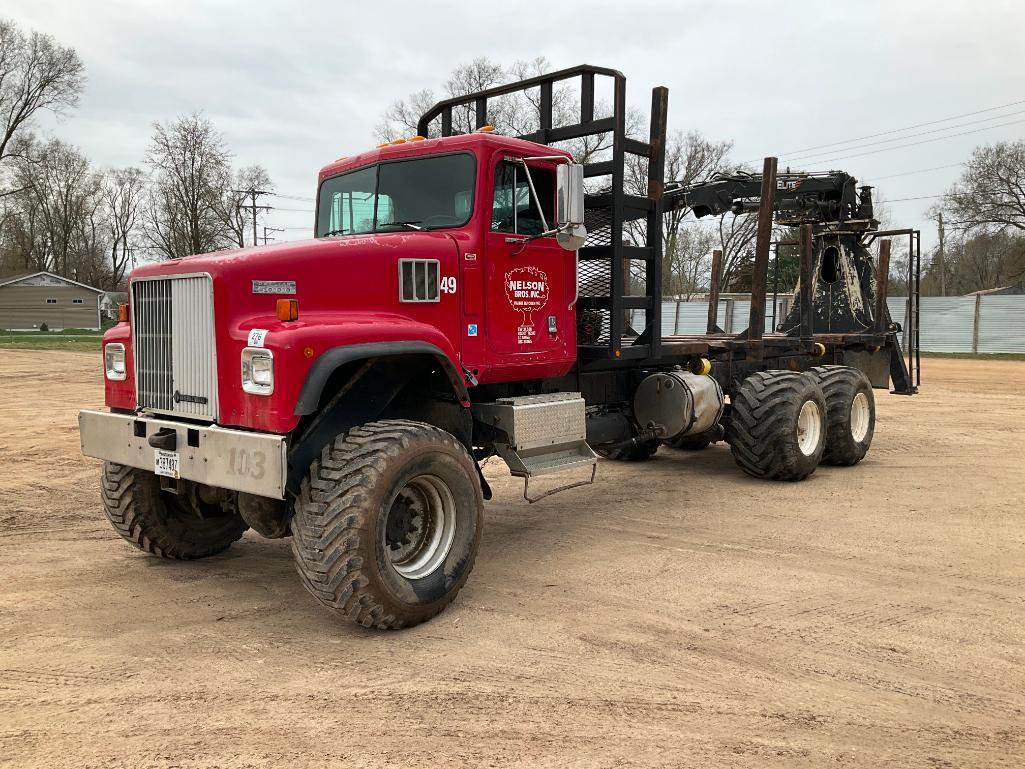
777 427
850 413
162 523
388 522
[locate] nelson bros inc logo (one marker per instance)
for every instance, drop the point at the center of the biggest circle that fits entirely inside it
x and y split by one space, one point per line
526 288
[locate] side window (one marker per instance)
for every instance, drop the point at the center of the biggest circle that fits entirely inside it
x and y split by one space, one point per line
514 209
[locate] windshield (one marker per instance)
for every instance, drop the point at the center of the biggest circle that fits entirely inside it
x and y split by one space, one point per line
420 194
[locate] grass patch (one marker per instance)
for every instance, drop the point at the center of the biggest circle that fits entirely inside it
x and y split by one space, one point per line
70 339
975 356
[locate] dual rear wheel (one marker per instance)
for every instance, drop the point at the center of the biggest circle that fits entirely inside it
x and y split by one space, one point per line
784 423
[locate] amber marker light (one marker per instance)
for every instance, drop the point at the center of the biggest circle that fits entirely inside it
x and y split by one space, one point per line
122 313
288 309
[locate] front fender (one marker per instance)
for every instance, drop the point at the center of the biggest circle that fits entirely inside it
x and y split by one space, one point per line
329 362
308 350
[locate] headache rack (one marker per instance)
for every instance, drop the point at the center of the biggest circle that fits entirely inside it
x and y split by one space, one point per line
614 277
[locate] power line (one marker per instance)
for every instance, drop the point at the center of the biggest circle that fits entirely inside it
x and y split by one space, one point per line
913 144
919 197
919 171
907 128
912 136
292 197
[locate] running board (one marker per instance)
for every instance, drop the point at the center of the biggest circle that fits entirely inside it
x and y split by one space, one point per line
540 435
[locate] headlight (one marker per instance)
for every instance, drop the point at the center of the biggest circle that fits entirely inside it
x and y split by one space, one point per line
258 371
114 361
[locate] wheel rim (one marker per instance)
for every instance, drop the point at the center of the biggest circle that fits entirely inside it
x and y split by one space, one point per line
809 428
421 527
860 417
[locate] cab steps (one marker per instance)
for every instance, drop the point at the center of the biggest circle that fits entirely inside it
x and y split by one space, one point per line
540 435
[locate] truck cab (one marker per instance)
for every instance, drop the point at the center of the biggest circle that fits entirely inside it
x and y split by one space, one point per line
502 290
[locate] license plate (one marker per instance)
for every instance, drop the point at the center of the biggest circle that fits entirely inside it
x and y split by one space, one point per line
166 463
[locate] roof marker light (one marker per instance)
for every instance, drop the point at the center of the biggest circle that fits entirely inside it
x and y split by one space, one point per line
486 128
417 138
398 141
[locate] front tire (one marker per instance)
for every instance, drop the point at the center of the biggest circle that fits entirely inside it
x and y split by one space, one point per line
850 413
388 522
165 524
777 427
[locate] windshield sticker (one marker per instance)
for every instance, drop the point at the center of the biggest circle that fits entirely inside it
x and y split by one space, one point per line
526 288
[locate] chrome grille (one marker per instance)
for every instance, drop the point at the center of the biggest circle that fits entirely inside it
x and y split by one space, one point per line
175 363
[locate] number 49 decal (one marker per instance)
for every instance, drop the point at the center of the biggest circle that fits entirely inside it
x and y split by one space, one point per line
448 285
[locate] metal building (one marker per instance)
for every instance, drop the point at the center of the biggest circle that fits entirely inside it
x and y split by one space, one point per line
28 300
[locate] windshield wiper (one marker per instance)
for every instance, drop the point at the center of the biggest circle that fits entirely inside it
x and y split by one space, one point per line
329 233
414 225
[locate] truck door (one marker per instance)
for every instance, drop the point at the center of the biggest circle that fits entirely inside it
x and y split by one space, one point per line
528 301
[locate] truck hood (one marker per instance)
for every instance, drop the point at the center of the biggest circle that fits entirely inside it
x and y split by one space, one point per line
349 272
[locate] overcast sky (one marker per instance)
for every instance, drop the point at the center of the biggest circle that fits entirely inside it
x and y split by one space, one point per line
294 85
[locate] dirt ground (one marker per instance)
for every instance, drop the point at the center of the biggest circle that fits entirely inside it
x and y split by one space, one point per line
675 614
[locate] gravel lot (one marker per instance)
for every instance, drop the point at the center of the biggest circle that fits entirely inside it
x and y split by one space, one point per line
675 614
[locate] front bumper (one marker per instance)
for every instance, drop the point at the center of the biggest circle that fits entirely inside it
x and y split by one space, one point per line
216 456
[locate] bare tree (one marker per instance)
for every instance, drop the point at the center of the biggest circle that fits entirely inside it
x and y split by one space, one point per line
690 157
192 173
123 193
736 240
35 74
65 191
402 116
990 195
23 244
687 261
514 115
235 205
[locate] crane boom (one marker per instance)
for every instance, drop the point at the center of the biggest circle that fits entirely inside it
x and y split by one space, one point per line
801 198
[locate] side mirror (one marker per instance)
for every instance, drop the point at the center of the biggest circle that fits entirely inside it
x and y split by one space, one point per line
569 206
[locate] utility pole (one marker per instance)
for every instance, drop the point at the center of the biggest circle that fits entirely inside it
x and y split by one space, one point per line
943 264
252 193
267 229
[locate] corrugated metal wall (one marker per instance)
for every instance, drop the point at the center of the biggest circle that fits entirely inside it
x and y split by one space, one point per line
948 323
1002 324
